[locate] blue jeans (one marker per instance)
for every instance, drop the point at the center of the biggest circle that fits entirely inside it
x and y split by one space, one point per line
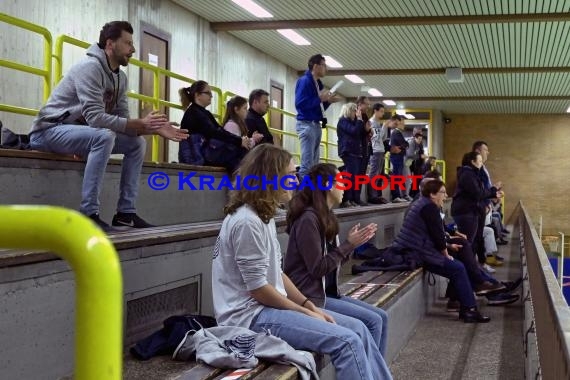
375 319
349 343
397 169
96 146
455 271
310 133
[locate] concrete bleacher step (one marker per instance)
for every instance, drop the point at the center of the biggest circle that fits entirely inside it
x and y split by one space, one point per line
51 179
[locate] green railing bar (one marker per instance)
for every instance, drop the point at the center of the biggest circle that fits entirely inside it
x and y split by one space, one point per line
24 68
18 110
48 42
99 289
57 75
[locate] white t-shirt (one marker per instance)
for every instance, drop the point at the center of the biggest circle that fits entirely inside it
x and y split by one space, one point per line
247 256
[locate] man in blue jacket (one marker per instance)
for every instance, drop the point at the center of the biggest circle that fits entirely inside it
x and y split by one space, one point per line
311 101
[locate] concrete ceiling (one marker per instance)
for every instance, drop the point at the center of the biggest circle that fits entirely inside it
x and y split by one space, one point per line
515 55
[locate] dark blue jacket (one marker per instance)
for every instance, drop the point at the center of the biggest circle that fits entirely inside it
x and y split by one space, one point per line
307 101
414 235
350 134
470 193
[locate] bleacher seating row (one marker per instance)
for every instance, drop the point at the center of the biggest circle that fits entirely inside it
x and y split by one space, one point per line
166 271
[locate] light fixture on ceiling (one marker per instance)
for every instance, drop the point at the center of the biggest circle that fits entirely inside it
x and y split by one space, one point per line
331 62
354 78
401 112
454 74
253 8
293 36
389 103
568 109
409 116
374 92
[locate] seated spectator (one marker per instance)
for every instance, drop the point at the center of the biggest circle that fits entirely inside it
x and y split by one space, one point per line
350 129
87 115
314 253
234 122
258 106
203 127
422 234
250 290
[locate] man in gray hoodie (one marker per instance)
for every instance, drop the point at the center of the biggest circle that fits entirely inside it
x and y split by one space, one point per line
87 115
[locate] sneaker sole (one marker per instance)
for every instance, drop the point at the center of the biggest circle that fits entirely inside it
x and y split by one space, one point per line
503 302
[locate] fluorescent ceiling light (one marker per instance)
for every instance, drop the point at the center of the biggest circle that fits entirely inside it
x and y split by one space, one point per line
401 112
354 78
389 103
331 62
374 92
409 116
293 36
568 109
253 8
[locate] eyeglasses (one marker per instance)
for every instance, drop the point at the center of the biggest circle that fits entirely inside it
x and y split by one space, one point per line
206 92
442 192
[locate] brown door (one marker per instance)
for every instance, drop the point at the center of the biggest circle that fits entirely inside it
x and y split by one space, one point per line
276 118
154 51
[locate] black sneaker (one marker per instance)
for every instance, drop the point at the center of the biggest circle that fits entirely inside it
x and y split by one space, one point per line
511 286
130 220
502 299
104 226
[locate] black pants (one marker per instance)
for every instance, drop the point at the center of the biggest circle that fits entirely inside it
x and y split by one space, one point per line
467 257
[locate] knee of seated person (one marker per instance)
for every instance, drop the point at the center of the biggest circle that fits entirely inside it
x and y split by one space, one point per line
106 136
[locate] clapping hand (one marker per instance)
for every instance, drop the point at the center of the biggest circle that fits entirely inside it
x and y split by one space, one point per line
357 236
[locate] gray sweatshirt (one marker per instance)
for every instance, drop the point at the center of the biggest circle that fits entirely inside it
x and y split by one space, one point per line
247 256
89 94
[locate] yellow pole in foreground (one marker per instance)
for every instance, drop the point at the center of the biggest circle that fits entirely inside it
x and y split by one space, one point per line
99 289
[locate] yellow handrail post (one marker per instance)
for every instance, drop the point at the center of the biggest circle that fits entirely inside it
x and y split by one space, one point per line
99 289
156 105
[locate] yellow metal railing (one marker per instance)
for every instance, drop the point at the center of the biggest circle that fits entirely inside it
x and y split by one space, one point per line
99 289
44 72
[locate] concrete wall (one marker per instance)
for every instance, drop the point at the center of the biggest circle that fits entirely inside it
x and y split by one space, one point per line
37 300
528 153
58 183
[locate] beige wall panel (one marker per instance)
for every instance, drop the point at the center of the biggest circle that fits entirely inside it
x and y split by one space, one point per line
529 154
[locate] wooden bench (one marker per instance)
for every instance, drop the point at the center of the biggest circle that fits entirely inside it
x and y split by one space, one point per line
375 288
39 155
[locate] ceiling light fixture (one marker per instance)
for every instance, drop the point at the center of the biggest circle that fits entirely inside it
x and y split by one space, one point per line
401 112
331 62
389 103
374 92
568 109
354 78
409 116
293 36
253 8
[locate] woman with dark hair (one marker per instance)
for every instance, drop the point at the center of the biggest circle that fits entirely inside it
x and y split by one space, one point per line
250 289
234 120
203 127
469 199
422 234
314 255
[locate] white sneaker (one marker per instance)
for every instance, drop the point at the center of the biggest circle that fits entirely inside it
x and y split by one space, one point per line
398 200
488 268
408 198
